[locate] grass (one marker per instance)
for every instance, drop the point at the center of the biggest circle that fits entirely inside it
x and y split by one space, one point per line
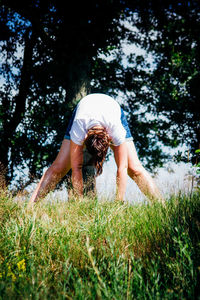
100 250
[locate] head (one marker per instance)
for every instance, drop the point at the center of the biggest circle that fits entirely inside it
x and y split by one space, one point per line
97 143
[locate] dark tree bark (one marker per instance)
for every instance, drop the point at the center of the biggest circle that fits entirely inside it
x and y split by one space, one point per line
12 120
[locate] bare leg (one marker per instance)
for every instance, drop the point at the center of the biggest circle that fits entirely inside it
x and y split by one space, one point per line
143 179
55 172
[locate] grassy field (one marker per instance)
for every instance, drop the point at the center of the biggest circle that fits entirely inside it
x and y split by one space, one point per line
100 250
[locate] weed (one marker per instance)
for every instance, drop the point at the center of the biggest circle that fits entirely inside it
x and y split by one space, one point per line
99 250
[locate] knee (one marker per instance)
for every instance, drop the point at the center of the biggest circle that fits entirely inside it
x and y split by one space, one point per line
56 170
136 170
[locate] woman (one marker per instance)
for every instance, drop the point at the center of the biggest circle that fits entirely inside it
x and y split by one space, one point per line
97 123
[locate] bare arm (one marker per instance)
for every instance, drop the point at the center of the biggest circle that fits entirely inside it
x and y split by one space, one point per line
76 153
121 158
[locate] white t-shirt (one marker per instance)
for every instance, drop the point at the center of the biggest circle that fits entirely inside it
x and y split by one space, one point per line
98 109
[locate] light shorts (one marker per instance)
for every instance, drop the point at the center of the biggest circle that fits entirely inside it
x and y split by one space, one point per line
123 120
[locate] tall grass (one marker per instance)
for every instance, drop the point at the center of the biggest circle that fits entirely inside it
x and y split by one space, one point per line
100 250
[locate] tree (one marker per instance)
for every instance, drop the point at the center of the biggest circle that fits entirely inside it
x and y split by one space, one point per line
62 60
40 88
161 87
170 31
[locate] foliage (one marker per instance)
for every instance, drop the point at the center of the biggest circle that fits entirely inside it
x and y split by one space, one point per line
51 56
106 250
40 87
170 33
161 87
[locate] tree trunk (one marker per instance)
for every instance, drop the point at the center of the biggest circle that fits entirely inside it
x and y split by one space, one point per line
12 120
89 179
88 170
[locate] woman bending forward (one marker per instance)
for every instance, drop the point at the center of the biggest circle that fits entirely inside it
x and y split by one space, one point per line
97 123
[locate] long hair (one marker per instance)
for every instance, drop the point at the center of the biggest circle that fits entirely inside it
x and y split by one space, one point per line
97 143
